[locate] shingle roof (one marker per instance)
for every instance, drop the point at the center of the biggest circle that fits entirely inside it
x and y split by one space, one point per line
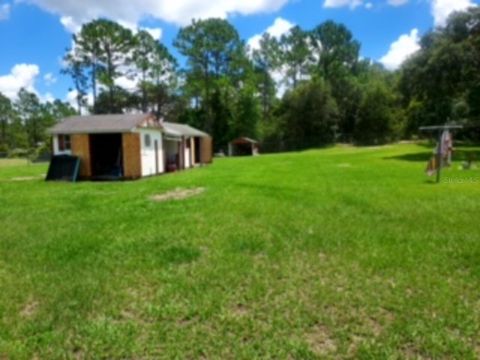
95 124
122 123
176 129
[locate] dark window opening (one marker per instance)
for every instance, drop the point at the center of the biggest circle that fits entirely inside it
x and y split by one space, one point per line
64 143
197 150
148 140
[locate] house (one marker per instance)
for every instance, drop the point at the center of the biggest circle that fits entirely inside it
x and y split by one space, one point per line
129 146
243 146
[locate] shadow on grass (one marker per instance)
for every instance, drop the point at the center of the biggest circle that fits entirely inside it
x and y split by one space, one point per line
458 155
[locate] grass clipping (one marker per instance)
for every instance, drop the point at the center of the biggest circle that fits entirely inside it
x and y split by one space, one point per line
178 194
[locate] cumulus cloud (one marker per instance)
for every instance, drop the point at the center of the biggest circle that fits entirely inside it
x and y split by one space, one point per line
4 11
401 49
71 98
352 4
48 97
155 32
74 12
279 27
49 79
20 76
70 24
441 9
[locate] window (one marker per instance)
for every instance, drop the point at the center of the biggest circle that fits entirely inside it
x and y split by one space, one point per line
64 143
148 141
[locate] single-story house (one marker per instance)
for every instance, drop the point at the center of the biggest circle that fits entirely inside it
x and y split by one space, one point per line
243 146
129 146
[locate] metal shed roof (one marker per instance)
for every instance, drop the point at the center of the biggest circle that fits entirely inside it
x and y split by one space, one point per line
176 129
97 124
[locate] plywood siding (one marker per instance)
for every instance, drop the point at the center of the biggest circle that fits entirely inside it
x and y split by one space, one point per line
132 162
206 150
81 148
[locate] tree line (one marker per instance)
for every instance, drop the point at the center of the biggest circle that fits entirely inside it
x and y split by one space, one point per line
307 88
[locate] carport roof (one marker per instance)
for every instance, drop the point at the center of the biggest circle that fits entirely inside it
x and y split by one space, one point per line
176 129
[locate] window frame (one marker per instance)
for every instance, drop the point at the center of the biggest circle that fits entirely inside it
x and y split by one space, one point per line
147 140
64 142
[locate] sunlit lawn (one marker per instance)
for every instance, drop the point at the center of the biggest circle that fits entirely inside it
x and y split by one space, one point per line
336 253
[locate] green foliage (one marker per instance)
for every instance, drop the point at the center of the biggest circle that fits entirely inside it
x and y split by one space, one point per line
377 116
230 90
441 82
24 122
218 69
6 113
309 115
334 48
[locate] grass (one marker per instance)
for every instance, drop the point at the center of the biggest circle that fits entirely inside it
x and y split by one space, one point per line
337 253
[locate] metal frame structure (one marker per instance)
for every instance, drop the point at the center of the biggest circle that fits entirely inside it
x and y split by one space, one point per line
440 129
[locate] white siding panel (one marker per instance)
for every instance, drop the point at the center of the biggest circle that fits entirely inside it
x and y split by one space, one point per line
148 152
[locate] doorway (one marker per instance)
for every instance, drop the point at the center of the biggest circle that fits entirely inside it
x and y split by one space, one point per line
106 156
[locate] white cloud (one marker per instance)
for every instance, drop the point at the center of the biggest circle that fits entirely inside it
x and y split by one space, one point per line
127 83
401 49
180 12
352 4
368 5
71 98
48 97
5 11
441 9
70 24
49 79
279 27
155 32
397 2
21 76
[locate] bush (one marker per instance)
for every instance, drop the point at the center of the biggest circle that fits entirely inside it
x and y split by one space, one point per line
377 121
18 153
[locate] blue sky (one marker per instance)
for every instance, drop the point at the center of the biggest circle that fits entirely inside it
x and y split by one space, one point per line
34 34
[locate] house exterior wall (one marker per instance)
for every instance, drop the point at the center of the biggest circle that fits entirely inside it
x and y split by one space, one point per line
80 145
132 160
206 150
151 161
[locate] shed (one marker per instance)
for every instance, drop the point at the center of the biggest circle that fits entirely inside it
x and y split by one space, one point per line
129 146
243 146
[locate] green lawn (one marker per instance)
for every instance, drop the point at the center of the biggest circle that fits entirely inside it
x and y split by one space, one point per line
337 253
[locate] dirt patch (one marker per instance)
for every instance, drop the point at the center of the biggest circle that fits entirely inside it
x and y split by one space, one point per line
26 178
239 311
29 309
178 194
320 340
